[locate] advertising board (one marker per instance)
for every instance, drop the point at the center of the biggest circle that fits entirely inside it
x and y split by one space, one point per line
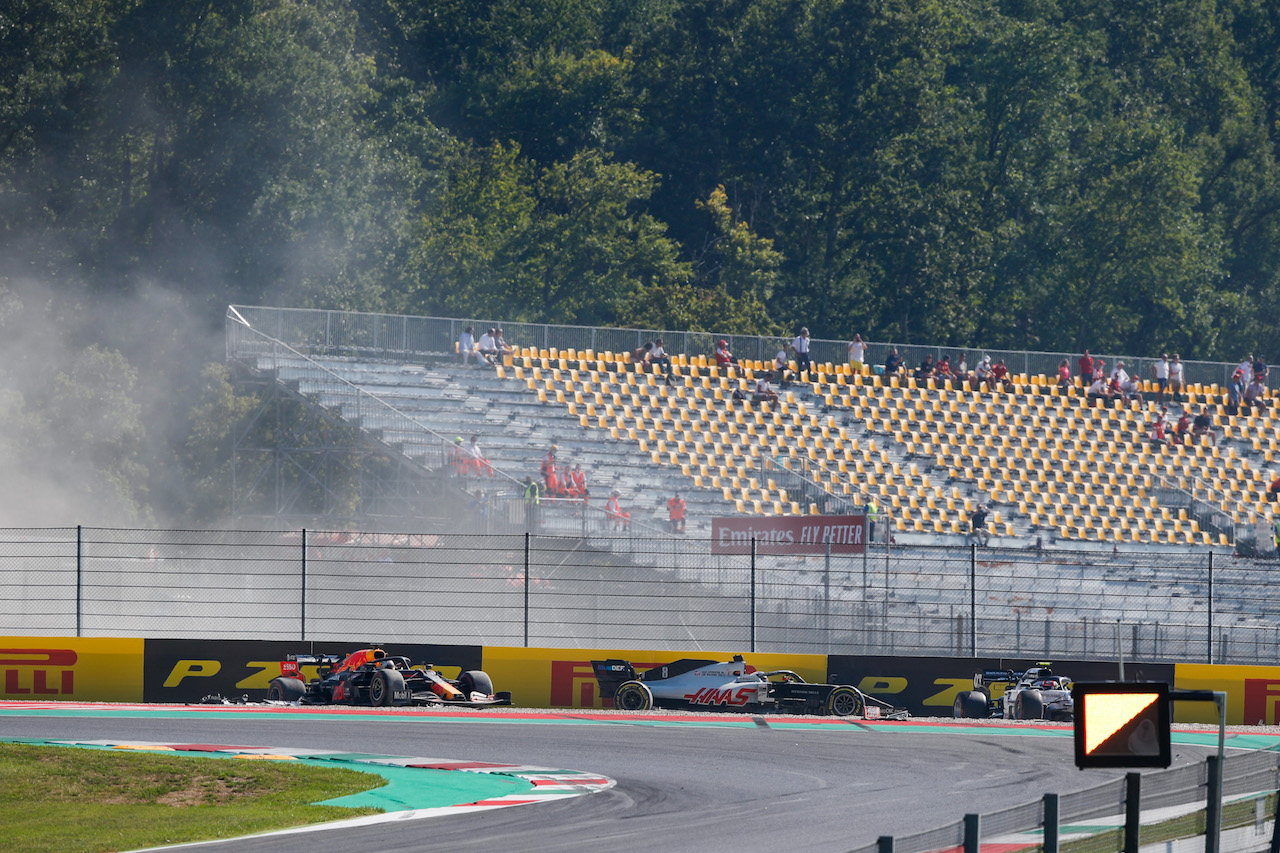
807 534
62 668
189 670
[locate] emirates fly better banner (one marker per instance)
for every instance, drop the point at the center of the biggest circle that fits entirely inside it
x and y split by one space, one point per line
808 534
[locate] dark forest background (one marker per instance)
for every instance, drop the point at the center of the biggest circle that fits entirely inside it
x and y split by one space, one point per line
1000 173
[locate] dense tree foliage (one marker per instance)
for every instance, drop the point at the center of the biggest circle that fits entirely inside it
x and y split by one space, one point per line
1002 173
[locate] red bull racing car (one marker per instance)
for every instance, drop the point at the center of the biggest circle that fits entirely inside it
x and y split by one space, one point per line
373 677
734 685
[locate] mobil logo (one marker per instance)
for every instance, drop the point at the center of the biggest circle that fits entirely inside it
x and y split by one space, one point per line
38 672
734 696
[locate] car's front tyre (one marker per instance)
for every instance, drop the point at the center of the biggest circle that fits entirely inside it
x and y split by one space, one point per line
844 702
384 686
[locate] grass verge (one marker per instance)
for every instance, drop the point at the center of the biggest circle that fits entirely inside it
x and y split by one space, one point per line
71 800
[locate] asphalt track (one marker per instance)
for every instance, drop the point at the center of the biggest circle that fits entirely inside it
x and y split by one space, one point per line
684 782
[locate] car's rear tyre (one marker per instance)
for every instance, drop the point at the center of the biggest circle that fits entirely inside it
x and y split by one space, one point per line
844 702
1030 705
633 696
475 681
285 689
971 704
384 685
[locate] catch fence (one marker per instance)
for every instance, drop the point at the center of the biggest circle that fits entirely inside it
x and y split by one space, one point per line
600 588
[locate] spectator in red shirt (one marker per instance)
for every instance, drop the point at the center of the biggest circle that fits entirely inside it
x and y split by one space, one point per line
1086 368
725 360
1064 374
613 512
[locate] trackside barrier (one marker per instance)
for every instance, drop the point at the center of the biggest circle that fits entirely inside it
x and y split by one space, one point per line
1161 810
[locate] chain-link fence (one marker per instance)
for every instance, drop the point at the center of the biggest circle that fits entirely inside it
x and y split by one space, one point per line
598 587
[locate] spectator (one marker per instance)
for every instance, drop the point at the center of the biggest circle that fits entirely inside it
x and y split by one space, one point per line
1099 391
801 347
503 349
1099 368
725 360
660 360
1201 425
675 513
1260 369
926 368
892 362
1160 372
857 354
1255 394
1273 490
1177 378
961 371
1158 430
487 346
1000 377
873 515
763 393
942 371
467 346
982 377
1182 429
1086 368
1235 392
640 356
1124 386
978 526
780 364
1275 533
613 512
1246 370
1064 374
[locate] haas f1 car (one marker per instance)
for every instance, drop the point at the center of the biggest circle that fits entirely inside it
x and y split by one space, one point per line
1034 694
734 685
373 677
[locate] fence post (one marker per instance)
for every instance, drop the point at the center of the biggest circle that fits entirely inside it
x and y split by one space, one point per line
526 589
1132 811
1209 609
972 833
753 594
303 603
973 600
1051 812
1213 802
79 577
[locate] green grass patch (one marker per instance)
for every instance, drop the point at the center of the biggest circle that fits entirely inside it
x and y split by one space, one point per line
74 800
1187 826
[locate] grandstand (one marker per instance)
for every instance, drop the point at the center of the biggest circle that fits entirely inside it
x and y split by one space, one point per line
1056 471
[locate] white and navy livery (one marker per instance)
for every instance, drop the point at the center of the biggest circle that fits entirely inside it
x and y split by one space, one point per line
1033 694
708 685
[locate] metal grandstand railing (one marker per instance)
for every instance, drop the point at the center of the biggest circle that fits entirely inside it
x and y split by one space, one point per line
404 337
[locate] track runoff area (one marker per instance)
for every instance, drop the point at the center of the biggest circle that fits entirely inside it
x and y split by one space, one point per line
428 786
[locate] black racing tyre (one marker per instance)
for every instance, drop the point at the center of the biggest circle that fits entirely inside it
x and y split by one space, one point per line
844 702
1030 705
475 681
284 689
977 705
384 685
633 696
957 707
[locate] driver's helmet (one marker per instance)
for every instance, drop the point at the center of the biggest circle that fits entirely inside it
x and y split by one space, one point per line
1050 684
